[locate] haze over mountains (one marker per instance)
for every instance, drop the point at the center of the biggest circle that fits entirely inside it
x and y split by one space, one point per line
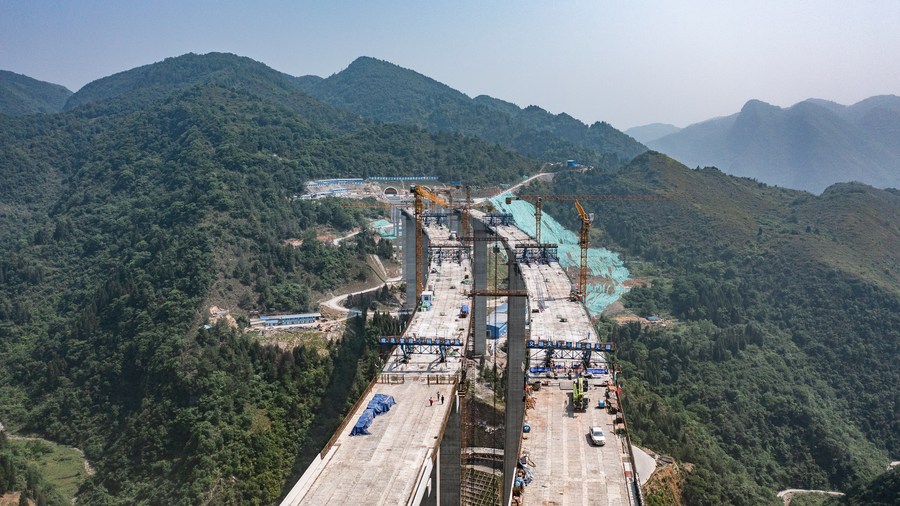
651 132
809 146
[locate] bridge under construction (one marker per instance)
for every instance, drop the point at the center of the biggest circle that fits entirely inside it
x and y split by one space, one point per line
404 441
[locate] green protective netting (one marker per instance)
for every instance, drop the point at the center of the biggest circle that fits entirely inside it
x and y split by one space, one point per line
381 227
602 263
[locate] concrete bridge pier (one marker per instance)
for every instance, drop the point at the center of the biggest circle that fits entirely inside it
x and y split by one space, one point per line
395 221
479 282
446 476
409 259
426 261
515 376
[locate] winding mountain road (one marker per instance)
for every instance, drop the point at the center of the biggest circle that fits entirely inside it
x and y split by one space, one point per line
516 186
334 302
788 495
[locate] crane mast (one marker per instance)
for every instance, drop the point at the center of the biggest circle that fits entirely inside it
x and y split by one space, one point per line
420 193
584 242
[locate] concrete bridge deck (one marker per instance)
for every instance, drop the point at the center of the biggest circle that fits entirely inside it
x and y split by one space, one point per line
385 466
568 469
393 464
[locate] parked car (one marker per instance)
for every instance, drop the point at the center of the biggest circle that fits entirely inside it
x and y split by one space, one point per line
597 436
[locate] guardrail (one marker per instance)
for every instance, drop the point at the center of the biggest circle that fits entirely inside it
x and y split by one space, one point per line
348 417
639 496
423 483
391 379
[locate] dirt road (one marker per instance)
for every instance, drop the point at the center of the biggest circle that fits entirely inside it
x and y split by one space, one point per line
540 175
334 303
337 241
788 495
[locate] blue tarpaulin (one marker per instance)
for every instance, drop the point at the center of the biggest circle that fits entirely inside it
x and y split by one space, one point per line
381 403
362 425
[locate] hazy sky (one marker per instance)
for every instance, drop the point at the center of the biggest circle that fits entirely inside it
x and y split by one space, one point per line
627 62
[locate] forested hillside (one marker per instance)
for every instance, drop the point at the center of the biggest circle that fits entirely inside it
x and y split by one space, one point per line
781 369
385 92
21 95
884 490
122 218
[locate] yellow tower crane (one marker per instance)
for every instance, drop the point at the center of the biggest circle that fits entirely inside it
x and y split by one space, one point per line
584 238
465 212
420 193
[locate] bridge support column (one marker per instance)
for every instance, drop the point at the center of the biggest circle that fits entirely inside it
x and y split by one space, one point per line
479 282
447 473
426 260
451 457
515 374
395 221
409 259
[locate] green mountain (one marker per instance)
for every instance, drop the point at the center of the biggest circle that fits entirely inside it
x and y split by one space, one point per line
808 146
161 192
779 369
21 95
149 83
385 92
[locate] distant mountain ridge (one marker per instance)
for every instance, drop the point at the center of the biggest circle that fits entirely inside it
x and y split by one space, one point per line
21 95
386 92
651 132
380 91
808 146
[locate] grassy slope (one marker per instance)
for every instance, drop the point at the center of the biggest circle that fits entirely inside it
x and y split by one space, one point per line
62 466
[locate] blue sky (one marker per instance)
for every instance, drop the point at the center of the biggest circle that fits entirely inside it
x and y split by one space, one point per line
627 62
